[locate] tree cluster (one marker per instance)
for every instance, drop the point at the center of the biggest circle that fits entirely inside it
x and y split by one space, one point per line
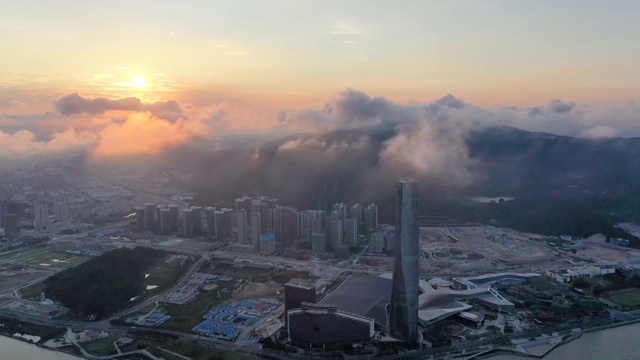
103 284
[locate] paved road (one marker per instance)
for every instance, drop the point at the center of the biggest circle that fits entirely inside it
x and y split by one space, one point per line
183 280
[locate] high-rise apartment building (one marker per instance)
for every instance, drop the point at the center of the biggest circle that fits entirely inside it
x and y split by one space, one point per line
370 217
319 243
141 219
356 213
164 220
337 230
242 226
41 219
244 203
256 229
341 209
286 225
10 214
197 220
210 216
174 211
188 222
150 217
403 311
351 227
223 224
315 222
61 211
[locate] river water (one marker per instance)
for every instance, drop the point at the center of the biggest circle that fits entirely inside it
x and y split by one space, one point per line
620 343
12 349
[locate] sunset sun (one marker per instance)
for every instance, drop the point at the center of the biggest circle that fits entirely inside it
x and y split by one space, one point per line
139 82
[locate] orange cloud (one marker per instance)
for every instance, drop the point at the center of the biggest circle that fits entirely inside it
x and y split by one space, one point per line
24 142
140 133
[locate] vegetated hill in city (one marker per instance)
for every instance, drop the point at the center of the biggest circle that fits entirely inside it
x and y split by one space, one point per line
103 284
548 174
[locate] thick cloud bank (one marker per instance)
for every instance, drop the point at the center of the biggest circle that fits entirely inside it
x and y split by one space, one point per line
428 137
75 104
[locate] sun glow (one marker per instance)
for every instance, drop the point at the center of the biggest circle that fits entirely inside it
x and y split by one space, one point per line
139 82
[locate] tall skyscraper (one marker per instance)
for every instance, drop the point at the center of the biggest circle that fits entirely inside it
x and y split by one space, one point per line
41 211
370 217
403 312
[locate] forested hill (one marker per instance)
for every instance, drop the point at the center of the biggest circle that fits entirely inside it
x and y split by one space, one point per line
103 284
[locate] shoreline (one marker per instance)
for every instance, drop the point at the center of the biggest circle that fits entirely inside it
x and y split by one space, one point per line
569 338
38 344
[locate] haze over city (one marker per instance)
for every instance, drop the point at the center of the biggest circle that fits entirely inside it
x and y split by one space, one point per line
308 179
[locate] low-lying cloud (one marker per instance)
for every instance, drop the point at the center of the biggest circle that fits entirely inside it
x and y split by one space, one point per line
429 137
75 104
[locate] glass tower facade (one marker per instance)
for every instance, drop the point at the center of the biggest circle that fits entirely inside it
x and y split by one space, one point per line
403 311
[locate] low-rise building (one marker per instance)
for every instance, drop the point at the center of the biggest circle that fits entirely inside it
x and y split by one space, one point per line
566 275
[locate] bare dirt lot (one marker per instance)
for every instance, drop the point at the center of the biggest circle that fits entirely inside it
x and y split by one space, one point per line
492 243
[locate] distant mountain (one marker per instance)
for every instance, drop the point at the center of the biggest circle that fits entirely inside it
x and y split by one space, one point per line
525 163
313 170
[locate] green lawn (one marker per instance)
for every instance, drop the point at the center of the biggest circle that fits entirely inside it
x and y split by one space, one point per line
626 299
101 347
185 317
63 260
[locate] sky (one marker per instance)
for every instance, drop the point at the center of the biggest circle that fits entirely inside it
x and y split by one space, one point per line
261 57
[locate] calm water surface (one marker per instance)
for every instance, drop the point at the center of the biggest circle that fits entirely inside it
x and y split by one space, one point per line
621 343
12 349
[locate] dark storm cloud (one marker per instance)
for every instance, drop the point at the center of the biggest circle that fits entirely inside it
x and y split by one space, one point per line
560 106
554 107
76 104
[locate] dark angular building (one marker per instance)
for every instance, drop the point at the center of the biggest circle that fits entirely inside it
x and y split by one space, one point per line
403 310
10 214
297 293
316 325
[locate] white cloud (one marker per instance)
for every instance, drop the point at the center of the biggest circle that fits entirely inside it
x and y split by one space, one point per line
344 28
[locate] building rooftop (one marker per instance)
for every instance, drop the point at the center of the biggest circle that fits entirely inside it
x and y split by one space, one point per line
362 295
